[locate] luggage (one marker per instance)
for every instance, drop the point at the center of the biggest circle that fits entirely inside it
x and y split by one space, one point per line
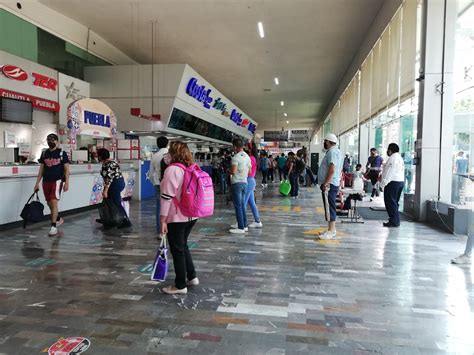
109 212
285 187
347 179
32 211
160 266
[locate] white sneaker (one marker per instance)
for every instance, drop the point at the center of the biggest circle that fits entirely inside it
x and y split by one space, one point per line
236 226
237 231
256 225
461 259
171 290
193 282
53 231
327 235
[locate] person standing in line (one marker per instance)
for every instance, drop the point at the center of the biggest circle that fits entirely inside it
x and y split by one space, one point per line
373 169
393 179
281 166
251 184
158 162
215 168
264 168
239 171
176 225
114 184
347 165
271 168
291 166
54 171
329 181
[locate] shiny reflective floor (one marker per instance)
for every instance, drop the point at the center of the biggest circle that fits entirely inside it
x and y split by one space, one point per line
276 290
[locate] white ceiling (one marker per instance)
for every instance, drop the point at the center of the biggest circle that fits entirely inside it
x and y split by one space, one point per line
308 45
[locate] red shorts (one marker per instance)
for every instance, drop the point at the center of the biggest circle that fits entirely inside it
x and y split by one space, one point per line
52 190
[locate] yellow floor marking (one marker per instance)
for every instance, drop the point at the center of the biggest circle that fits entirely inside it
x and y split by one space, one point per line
332 241
316 231
319 209
280 209
297 209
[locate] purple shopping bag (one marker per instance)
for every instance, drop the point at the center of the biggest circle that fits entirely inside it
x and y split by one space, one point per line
160 266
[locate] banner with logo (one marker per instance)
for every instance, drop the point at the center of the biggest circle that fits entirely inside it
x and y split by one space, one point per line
91 117
70 89
24 80
299 135
275 136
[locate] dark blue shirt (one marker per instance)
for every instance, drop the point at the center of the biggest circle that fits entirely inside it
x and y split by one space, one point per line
375 162
53 161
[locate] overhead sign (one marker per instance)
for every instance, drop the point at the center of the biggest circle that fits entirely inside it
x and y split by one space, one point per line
29 81
70 89
275 136
37 102
91 117
299 135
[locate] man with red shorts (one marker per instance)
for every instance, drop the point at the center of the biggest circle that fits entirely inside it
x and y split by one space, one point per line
54 171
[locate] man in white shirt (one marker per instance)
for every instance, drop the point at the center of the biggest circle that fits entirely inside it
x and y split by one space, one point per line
393 177
156 170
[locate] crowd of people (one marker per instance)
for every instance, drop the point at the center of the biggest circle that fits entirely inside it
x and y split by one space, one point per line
235 171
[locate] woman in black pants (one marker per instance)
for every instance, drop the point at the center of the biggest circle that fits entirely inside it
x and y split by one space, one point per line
173 223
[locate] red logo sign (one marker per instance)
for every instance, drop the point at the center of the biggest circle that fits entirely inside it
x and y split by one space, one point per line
45 82
69 346
14 73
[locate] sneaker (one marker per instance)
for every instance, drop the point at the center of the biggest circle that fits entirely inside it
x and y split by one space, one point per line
236 226
193 282
461 259
237 231
59 222
263 185
53 231
171 290
327 235
256 225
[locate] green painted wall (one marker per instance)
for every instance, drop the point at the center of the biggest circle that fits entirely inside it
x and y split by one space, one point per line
18 37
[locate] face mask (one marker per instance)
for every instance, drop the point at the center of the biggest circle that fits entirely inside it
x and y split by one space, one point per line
51 145
326 146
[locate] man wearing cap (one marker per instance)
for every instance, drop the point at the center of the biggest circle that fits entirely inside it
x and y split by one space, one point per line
329 178
54 171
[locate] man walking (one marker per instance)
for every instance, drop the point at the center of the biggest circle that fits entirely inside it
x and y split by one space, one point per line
373 168
54 171
393 177
239 172
329 180
281 166
158 165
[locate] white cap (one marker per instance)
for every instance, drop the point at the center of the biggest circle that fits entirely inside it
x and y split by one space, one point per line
331 138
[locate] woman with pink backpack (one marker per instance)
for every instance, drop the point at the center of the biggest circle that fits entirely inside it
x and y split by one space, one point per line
186 194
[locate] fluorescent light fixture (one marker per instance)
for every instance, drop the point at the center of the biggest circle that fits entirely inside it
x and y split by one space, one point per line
260 30
132 132
287 122
285 114
277 82
282 103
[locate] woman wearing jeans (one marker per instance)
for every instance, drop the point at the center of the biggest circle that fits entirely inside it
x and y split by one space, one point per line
113 184
176 225
291 165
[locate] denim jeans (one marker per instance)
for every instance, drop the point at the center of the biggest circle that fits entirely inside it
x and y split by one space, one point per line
332 197
114 194
250 198
391 195
294 184
238 198
223 182
158 199
264 176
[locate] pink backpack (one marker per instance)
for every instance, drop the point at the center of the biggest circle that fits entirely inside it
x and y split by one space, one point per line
197 196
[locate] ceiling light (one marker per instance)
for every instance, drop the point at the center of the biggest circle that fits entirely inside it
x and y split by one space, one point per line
260 30
285 114
282 103
277 82
287 122
132 132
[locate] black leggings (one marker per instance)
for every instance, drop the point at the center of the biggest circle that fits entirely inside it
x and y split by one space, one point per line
178 234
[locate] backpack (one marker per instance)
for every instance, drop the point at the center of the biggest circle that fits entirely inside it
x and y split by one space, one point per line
299 166
197 196
33 211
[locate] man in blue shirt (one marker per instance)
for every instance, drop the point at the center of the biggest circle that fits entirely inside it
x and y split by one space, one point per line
329 178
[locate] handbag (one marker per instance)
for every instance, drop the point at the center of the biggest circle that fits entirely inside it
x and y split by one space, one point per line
160 266
32 211
285 187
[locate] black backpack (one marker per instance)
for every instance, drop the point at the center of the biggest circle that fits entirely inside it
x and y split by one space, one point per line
33 211
299 166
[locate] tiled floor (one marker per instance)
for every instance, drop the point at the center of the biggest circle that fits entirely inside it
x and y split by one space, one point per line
272 291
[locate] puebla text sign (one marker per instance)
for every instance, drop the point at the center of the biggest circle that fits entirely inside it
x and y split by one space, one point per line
204 95
92 118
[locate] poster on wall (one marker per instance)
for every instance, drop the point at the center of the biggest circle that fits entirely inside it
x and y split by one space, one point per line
10 139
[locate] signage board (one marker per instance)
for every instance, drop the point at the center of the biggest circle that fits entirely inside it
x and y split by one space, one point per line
70 89
91 117
299 135
197 92
275 136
